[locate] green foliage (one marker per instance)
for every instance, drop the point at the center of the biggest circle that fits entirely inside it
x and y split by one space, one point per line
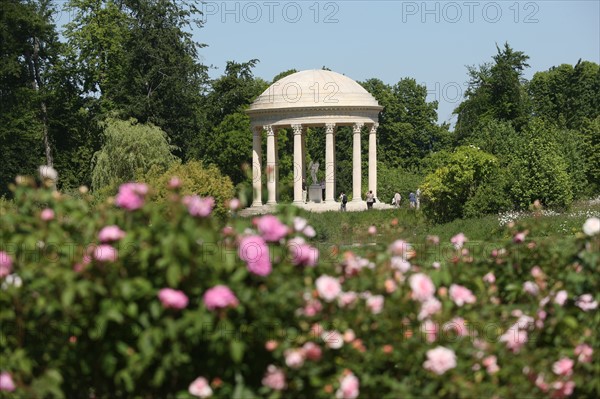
539 172
141 57
229 146
100 329
566 95
407 129
590 131
28 53
495 92
196 179
490 197
391 180
129 146
463 172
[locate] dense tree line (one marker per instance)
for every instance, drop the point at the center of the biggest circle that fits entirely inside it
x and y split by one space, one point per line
133 65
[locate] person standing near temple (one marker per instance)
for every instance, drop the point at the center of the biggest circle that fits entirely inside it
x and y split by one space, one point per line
418 198
397 199
370 199
412 199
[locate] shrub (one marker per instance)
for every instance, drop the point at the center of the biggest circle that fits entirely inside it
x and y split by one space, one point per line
194 178
446 191
121 301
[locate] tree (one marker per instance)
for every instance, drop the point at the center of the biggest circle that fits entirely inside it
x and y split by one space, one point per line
407 125
495 91
140 57
233 91
129 148
28 50
566 95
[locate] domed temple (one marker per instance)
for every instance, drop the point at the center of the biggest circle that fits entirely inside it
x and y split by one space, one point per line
313 98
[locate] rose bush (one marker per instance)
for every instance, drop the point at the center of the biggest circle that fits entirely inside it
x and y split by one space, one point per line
138 299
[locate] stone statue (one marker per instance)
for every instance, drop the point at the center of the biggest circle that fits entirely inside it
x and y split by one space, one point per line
314 167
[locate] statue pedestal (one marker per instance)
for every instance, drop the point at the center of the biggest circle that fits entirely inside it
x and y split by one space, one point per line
315 193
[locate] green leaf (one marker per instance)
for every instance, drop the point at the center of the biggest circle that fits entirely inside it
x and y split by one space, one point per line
236 349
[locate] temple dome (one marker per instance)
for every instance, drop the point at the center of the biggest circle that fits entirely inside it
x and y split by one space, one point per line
311 89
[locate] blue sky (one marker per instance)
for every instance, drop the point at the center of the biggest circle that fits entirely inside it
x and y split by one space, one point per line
430 41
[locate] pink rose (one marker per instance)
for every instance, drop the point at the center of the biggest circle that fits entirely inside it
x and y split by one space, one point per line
271 345
400 264
294 358
171 298
430 330
47 215
400 248
254 251
429 307
200 387
274 378
586 302
235 204
561 297
375 303
312 308
563 366
303 254
312 351
347 298
219 297
490 364
131 196
270 228
531 288
536 272
349 387
459 325
461 295
514 339
489 278
105 253
198 206
422 287
519 237
174 183
372 230
459 240
440 360
563 388
6 382
328 287
584 353
110 233
390 286
349 336
5 264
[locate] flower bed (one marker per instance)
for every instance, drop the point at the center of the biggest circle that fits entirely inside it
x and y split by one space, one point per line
136 299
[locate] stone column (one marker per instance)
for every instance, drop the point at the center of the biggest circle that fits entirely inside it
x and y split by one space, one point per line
329 162
277 135
356 164
271 166
373 159
304 132
298 164
256 166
